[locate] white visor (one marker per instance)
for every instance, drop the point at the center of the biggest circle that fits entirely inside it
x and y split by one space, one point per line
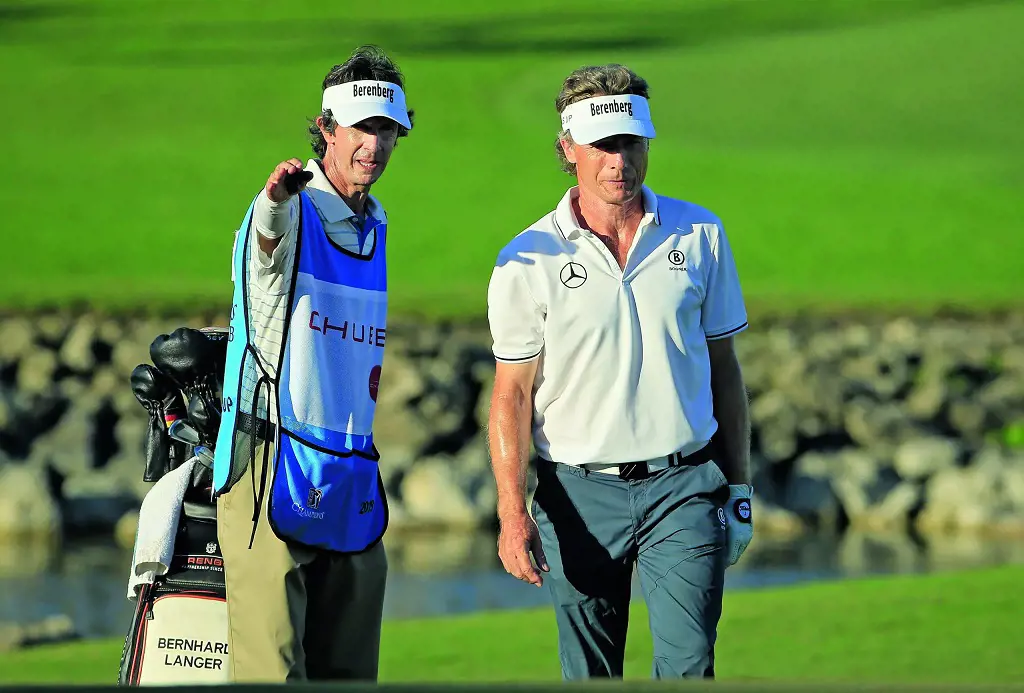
594 119
352 102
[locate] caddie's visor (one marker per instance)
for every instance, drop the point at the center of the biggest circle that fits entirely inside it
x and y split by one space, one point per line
598 117
352 102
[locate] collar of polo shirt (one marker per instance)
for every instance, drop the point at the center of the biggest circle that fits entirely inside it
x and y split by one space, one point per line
330 204
598 117
351 102
570 228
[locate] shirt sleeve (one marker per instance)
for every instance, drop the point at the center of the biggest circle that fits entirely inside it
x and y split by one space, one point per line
516 319
273 220
724 312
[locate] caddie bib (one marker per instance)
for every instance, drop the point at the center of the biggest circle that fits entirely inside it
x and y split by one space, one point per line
325 488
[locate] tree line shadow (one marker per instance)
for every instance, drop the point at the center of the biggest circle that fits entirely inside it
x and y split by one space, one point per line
189 39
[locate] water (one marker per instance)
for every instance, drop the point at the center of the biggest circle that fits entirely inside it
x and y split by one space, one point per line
455 572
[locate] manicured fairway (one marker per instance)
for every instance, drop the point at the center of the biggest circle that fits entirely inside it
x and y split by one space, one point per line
861 154
958 627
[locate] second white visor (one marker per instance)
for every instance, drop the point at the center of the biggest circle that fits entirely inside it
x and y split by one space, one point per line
598 117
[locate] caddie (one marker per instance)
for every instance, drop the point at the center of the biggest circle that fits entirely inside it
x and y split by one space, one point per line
301 505
613 319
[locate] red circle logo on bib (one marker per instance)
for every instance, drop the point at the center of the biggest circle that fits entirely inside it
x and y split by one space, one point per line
374 382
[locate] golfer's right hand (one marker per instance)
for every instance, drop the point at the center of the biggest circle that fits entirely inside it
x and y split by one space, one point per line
517 541
277 188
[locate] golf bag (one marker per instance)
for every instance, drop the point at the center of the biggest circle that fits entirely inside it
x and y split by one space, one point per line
178 633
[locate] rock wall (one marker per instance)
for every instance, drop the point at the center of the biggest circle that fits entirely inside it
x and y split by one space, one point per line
886 424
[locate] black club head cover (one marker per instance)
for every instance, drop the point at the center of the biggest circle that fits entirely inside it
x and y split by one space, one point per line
205 419
194 360
186 355
218 338
164 402
218 353
202 477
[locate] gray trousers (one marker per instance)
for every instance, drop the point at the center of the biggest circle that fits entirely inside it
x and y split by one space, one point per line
595 527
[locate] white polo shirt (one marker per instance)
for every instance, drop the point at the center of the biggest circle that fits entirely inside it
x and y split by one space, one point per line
624 374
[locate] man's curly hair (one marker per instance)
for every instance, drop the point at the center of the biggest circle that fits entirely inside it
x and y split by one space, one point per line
366 62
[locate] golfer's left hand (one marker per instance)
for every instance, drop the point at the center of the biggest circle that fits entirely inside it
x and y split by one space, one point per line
739 521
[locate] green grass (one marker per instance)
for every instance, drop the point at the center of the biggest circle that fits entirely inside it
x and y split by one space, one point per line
861 154
957 627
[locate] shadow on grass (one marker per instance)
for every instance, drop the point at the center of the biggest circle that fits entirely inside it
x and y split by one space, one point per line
189 39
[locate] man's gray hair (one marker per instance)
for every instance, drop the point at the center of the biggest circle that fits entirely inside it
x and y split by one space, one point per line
366 62
590 81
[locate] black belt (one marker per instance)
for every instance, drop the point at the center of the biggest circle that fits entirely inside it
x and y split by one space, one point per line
633 471
256 427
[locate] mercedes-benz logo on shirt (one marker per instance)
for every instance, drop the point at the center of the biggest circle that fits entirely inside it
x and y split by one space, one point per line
573 275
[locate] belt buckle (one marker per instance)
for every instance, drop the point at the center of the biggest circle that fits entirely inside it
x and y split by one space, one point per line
633 471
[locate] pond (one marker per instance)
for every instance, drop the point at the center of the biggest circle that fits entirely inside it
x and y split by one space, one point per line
446 573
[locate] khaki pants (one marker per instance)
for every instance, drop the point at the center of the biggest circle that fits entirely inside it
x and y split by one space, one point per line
295 613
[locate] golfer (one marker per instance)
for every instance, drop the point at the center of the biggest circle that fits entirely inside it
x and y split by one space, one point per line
613 319
301 507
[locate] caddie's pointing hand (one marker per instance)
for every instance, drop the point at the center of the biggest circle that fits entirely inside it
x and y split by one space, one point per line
287 179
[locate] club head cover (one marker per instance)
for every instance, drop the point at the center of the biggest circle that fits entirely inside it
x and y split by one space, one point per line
153 389
186 355
218 338
202 477
159 396
205 419
194 360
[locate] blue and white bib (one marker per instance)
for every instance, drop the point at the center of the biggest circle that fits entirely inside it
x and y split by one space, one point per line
325 485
